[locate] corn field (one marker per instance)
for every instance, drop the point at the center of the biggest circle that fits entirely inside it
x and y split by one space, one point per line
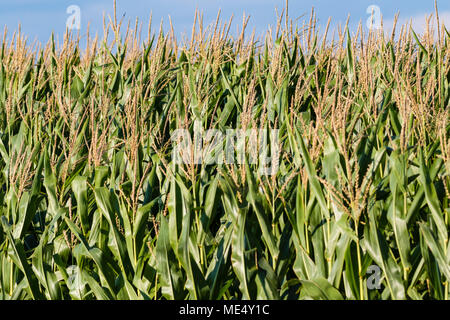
93 205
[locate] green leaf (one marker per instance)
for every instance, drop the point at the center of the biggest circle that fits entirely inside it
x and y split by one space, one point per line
320 289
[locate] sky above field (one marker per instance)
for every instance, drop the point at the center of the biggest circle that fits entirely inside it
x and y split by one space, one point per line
38 18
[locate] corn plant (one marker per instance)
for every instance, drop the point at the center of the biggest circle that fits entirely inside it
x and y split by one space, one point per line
94 206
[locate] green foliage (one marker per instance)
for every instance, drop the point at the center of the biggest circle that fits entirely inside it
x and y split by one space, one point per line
93 205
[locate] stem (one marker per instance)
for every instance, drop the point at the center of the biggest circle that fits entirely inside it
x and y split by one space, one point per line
446 291
329 231
134 249
156 286
361 282
306 226
11 279
201 256
273 224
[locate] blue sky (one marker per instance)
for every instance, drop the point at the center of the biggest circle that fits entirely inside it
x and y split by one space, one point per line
38 18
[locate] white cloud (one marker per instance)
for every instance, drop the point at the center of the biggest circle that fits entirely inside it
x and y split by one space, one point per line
419 22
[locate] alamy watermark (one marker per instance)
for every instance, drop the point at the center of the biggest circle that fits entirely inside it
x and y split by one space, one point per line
74 20
374 21
260 147
374 280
